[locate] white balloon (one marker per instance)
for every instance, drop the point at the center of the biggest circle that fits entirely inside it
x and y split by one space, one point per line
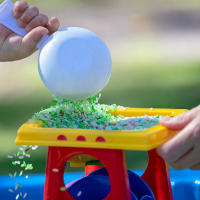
74 63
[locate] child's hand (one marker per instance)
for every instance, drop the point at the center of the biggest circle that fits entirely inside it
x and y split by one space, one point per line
14 47
183 150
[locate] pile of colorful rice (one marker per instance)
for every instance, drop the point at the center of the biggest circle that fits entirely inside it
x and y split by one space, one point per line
89 114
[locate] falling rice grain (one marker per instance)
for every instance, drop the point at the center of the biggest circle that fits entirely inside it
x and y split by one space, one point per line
25 195
17 197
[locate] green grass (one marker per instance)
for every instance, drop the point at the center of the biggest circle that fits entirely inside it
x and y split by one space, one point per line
168 86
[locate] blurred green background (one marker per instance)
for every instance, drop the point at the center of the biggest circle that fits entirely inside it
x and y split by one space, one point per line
155 48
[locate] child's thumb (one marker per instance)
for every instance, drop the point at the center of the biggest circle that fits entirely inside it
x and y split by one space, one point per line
30 41
180 121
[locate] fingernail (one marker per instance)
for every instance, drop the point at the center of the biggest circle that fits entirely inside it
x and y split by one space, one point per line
28 29
16 14
20 23
165 119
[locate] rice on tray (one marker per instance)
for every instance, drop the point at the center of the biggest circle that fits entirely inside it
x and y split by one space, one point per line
89 114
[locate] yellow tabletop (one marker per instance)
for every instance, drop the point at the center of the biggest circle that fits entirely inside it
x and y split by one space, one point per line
34 134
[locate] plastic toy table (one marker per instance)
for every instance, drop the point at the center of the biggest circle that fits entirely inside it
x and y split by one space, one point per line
185 184
107 147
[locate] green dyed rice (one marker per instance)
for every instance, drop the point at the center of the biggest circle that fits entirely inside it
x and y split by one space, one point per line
89 114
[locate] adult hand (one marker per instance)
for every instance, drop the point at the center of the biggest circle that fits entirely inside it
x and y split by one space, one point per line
14 47
183 150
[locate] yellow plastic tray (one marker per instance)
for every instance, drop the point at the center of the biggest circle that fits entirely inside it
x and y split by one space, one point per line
35 134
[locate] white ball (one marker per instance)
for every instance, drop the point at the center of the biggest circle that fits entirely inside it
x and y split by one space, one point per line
74 64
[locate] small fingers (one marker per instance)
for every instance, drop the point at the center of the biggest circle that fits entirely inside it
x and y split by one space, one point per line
181 144
176 147
19 8
39 20
180 121
27 16
53 25
30 41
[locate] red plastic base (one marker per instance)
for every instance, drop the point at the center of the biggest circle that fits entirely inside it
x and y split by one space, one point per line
113 160
156 175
